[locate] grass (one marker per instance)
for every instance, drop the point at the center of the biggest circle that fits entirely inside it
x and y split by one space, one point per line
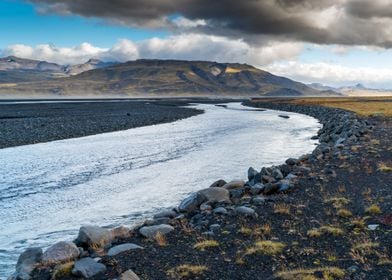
63 270
282 208
160 239
344 213
327 273
373 209
338 202
325 230
206 244
383 167
187 270
266 247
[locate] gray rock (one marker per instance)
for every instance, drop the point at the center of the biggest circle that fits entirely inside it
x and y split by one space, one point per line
277 174
291 176
161 221
87 268
237 193
120 232
213 195
251 173
284 116
166 214
256 189
129 275
284 185
191 203
218 184
291 161
245 211
151 231
61 252
258 200
123 248
220 211
234 185
94 236
215 228
27 262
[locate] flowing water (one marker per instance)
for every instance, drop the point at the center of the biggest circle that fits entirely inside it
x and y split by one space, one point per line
48 190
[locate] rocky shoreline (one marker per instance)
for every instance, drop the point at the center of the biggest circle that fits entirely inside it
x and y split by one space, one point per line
211 214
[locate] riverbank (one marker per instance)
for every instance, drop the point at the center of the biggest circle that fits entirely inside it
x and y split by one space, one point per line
332 219
30 123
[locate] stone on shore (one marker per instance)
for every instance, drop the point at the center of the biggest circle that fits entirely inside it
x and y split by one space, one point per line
61 252
152 231
251 173
213 195
120 232
234 185
94 236
277 174
245 211
218 184
191 203
27 262
129 275
123 248
166 214
87 268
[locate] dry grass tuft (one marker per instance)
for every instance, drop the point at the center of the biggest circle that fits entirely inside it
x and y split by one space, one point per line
383 167
328 273
282 208
325 230
373 209
62 271
160 239
206 244
338 202
187 270
245 231
344 213
266 247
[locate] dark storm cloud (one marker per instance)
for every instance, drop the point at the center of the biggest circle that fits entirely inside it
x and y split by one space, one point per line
347 22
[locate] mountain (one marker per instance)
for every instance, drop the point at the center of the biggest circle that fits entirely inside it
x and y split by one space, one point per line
165 78
15 70
356 90
89 65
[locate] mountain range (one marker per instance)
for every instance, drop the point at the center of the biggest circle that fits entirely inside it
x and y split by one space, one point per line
23 77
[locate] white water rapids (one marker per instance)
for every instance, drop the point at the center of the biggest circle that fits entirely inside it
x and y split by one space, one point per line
48 190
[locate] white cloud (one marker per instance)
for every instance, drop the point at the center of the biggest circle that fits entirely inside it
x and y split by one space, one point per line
185 46
334 74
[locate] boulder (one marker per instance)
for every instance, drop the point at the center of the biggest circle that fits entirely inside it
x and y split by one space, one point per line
251 173
120 232
291 161
220 211
234 185
213 195
123 248
93 236
151 231
245 211
166 214
218 184
277 174
191 203
27 262
87 268
256 189
61 252
129 275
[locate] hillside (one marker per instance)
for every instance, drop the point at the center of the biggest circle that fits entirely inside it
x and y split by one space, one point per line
167 78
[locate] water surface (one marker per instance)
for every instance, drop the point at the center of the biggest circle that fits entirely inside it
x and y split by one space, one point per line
48 190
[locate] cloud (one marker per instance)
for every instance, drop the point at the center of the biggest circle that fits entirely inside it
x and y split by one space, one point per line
344 22
333 74
184 46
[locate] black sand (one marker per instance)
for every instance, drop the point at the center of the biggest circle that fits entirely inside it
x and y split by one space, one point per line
22 124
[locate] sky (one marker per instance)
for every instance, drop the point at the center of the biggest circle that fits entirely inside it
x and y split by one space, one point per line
333 42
